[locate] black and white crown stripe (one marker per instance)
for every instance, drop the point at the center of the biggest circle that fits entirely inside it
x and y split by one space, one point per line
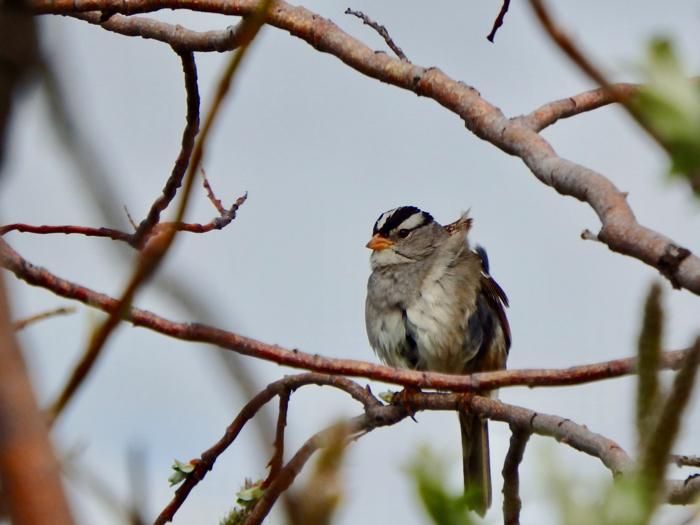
403 218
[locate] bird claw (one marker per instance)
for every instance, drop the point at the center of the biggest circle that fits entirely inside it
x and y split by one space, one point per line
405 399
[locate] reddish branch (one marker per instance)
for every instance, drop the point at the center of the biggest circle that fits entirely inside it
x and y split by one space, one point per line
620 230
278 457
278 388
79 230
151 253
12 261
189 134
522 421
211 196
29 473
175 35
217 223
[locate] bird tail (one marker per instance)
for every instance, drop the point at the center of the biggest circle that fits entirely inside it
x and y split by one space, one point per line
476 462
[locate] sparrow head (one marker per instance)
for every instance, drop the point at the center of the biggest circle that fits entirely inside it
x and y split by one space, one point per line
402 235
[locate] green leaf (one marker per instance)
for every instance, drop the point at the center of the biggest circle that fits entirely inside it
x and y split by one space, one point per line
250 493
443 507
669 104
180 471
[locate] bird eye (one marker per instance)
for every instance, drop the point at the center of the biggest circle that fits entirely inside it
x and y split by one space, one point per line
403 233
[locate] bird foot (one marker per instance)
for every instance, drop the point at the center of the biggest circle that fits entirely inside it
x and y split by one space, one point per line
405 399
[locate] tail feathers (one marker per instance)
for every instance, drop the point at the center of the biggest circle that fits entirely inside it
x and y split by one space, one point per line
476 462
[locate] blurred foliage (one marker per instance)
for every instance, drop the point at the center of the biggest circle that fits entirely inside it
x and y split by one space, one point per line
649 350
246 499
618 503
443 506
669 105
316 502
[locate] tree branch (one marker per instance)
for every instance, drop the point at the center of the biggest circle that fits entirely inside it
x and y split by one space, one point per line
499 20
26 456
383 32
21 324
620 230
108 233
523 422
189 69
36 276
149 257
685 461
511 479
281 387
278 457
176 36
551 112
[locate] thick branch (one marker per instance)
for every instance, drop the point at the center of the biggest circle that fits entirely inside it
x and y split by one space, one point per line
34 275
619 227
25 451
175 35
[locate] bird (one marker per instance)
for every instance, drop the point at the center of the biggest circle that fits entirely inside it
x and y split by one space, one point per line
432 305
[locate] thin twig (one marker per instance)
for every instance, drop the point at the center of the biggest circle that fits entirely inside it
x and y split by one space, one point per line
130 218
149 258
23 323
209 457
189 134
499 20
511 479
210 194
67 230
381 30
481 381
291 470
562 40
585 64
278 457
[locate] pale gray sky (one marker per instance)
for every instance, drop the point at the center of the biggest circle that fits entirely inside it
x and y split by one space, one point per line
322 152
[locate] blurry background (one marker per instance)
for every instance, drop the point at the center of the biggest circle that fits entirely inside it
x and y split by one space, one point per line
322 152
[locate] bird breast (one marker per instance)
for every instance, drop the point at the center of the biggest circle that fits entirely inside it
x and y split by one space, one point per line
438 317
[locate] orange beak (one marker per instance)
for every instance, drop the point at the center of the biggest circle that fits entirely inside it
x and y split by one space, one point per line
379 243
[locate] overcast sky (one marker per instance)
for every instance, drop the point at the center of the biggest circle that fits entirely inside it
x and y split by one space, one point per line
322 152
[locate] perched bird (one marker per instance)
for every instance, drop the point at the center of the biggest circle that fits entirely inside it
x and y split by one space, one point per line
432 305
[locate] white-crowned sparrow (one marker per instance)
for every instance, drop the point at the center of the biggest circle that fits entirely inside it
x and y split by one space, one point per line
432 305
